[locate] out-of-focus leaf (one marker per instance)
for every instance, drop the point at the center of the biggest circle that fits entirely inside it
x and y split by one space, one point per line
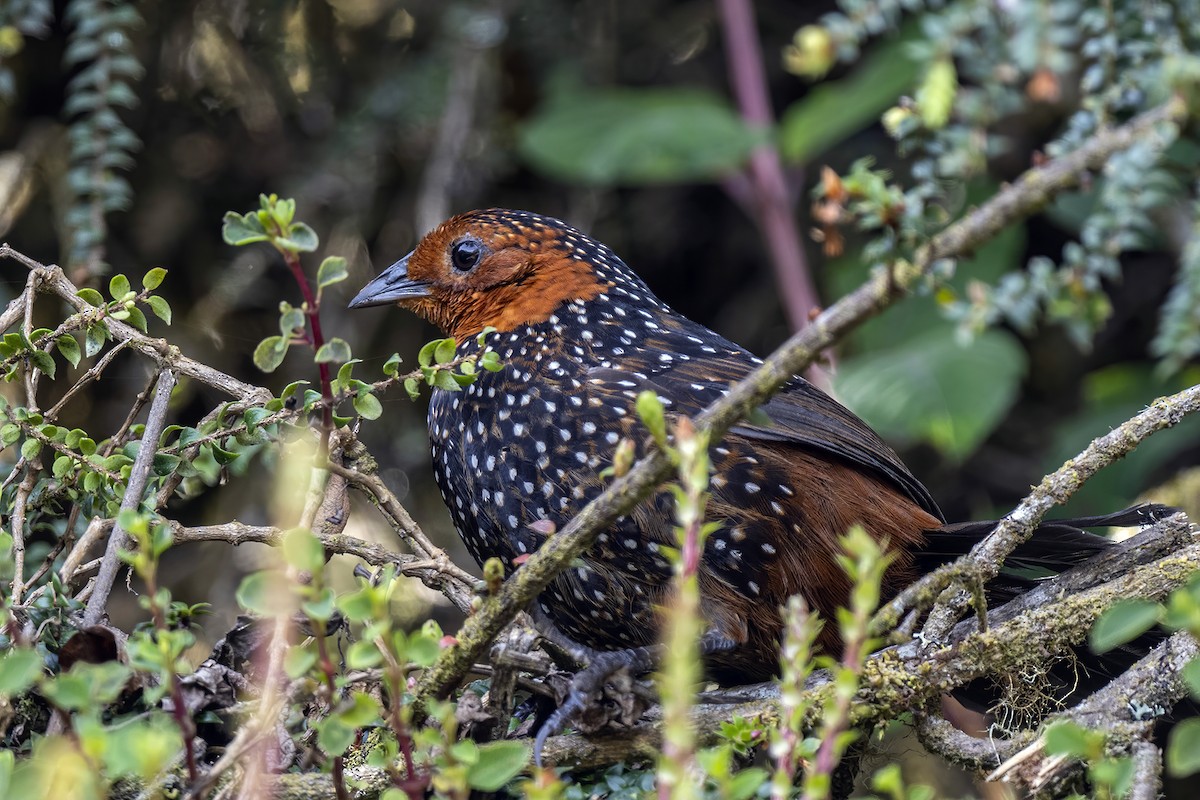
930 388
1122 623
635 136
833 110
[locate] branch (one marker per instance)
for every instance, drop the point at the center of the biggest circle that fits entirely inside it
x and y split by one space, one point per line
906 677
1154 681
139 475
1024 197
985 559
52 280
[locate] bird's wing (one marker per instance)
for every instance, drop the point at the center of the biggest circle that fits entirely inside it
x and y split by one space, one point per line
801 415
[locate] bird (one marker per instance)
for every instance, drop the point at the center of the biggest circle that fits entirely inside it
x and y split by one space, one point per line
520 451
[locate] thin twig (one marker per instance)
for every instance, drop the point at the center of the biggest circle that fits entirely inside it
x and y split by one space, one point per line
138 477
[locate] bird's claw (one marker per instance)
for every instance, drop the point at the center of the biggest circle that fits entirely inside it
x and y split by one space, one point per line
590 687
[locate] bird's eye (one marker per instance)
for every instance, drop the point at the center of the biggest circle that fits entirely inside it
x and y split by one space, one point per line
465 255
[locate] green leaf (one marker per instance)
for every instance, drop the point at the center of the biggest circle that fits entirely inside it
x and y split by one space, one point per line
303 550
362 710
332 270
363 655
300 238
154 278
637 136
239 229
164 464
265 593
334 736
1067 738
137 319
929 388
368 406
392 366
96 336
91 296
69 348
1191 676
745 783
1124 622
320 607
31 449
334 351
118 287
445 380
425 354
160 307
44 361
935 95
142 748
298 661
291 319
498 763
444 352
19 668
8 762
833 110
650 409
62 466
1183 749
413 387
254 417
270 352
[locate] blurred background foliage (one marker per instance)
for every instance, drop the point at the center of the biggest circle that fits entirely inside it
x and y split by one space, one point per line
128 129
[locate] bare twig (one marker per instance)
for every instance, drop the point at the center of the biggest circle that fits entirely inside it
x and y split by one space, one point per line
138 477
985 560
52 279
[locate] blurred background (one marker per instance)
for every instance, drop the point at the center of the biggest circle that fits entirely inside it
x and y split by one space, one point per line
128 130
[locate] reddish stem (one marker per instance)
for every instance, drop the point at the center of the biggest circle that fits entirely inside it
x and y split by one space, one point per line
329 671
769 186
187 727
312 309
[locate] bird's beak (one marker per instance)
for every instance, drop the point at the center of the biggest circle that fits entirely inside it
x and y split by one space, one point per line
389 286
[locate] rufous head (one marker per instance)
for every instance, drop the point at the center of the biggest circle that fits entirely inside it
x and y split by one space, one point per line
491 268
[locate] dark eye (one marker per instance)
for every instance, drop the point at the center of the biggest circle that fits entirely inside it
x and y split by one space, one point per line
465 255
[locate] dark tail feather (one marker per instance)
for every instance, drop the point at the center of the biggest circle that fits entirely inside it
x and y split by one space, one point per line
1056 545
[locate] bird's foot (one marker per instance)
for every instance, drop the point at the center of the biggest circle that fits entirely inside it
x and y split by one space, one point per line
602 694
606 692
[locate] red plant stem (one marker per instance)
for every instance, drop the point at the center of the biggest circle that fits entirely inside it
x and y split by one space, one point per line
329 671
412 785
826 759
743 55
313 310
187 727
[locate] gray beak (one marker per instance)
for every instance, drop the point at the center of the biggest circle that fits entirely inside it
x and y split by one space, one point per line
389 286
